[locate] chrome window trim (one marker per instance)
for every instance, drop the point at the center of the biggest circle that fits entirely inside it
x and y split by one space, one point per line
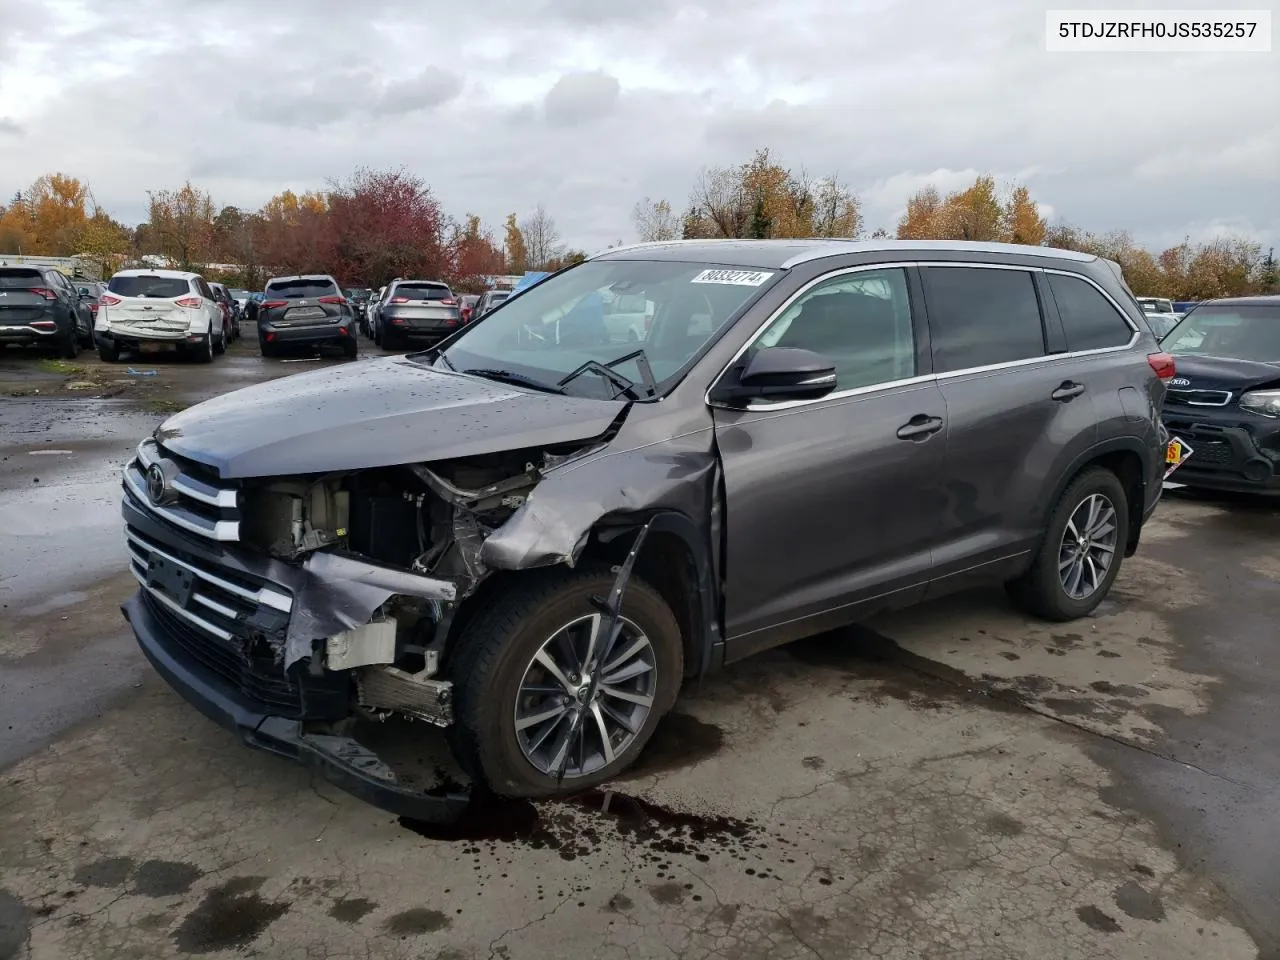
764 406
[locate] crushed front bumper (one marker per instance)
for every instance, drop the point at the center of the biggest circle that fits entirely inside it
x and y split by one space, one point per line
342 760
1226 456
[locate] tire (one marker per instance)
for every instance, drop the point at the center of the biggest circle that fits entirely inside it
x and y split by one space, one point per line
496 650
69 345
108 351
1041 590
267 349
220 345
351 348
203 351
389 343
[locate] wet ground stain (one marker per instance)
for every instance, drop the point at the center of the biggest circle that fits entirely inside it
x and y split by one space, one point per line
352 911
1095 919
1138 903
14 925
681 741
577 827
111 872
416 922
164 878
231 915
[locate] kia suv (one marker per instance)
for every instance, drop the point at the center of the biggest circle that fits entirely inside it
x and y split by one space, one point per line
40 306
1225 400
306 311
532 533
159 307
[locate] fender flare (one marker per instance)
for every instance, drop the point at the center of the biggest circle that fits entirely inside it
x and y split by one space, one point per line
1125 444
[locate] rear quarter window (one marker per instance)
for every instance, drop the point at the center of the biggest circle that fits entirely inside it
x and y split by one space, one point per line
1089 320
981 316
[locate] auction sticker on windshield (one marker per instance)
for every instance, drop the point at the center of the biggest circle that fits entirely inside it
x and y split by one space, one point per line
1175 455
740 278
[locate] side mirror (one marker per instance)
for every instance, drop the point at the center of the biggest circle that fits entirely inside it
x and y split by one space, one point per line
779 373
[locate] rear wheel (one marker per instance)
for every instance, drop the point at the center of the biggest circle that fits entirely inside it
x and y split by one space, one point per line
202 352
108 351
537 693
268 349
69 344
350 349
1080 556
389 342
220 345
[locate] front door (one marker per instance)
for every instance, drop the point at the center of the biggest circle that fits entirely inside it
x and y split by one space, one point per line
832 504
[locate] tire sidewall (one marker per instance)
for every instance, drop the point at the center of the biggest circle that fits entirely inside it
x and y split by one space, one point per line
502 762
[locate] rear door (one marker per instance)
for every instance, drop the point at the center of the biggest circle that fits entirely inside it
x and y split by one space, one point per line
1019 412
832 504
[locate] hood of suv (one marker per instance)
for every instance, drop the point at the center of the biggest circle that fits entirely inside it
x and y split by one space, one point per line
375 414
1222 373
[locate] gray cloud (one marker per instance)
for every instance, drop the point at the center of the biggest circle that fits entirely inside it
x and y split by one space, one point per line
8 128
587 106
581 97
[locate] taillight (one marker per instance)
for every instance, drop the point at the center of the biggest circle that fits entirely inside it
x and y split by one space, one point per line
44 292
399 300
93 308
1162 364
108 300
190 302
339 300
449 302
273 304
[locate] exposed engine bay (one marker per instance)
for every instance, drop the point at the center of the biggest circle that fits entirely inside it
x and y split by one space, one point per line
411 536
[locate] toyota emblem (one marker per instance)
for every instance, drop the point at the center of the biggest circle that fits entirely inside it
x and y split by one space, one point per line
158 488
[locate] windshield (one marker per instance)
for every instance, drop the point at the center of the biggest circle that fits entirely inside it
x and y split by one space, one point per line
1152 305
148 285
1247 332
240 294
603 310
304 288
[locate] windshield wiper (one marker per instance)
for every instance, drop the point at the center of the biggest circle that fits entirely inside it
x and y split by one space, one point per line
624 384
519 379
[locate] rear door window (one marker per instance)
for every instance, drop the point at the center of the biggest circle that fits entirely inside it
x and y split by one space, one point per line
1089 319
147 285
305 288
980 316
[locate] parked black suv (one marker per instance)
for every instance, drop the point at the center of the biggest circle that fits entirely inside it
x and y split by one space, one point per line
531 534
306 311
1225 400
39 305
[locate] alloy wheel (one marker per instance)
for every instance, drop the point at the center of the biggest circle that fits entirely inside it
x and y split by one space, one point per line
583 700
1088 546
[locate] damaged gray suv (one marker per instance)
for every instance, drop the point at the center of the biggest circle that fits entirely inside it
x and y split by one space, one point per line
531 534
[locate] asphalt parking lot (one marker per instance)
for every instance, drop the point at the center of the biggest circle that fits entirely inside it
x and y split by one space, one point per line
951 781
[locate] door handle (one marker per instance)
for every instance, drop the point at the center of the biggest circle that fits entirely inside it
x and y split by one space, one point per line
1067 391
919 427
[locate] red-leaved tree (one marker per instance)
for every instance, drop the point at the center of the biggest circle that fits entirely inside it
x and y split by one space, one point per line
386 224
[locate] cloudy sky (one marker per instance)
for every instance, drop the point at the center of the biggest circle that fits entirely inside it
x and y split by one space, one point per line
588 105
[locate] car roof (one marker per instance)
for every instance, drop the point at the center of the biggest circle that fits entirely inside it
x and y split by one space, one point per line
438 283
144 272
783 254
1272 300
303 276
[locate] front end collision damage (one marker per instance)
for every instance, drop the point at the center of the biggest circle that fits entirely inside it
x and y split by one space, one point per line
349 610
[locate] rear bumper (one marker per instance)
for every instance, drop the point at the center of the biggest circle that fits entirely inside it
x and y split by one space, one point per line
133 337
319 333
341 760
1226 457
23 334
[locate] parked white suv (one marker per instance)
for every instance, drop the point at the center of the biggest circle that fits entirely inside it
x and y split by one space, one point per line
159 307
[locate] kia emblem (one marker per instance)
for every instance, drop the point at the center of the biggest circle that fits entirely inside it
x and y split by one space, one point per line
1179 382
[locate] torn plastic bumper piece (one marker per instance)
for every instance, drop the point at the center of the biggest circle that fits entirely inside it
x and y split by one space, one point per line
343 761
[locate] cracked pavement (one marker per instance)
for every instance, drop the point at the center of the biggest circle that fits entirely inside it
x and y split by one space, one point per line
953 781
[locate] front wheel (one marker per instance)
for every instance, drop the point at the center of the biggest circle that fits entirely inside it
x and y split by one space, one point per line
543 707
1080 556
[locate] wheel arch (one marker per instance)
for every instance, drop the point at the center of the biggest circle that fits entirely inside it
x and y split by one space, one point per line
1130 460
